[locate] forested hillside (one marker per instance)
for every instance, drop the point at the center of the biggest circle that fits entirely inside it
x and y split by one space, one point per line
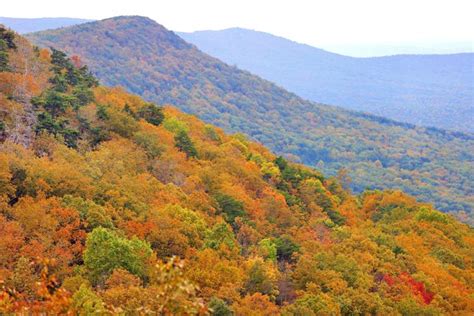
110 204
428 90
145 58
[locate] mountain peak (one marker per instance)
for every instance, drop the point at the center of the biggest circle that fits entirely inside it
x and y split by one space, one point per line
136 20
124 30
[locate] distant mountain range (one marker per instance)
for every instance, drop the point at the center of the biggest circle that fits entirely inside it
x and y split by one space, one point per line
428 90
401 48
147 59
25 25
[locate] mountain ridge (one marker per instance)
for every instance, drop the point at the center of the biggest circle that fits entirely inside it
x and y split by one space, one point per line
375 152
429 90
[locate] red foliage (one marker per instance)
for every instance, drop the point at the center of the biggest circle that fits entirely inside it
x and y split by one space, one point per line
76 60
417 287
388 279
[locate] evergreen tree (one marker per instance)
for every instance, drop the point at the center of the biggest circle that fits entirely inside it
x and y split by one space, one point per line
185 144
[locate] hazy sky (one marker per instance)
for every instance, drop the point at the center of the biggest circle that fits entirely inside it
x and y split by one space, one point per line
318 23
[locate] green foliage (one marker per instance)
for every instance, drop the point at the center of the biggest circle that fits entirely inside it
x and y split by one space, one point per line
86 302
220 235
230 207
184 143
286 247
71 89
347 267
425 214
92 214
211 133
6 42
412 307
268 248
175 126
150 143
3 56
447 256
106 251
101 113
151 113
219 308
259 281
308 305
336 217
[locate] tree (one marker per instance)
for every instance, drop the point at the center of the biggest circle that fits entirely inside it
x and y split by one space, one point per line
230 207
6 42
286 247
185 144
218 307
262 278
87 302
151 113
106 251
312 305
255 305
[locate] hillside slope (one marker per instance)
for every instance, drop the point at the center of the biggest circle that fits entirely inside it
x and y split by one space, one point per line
28 25
112 205
144 57
428 90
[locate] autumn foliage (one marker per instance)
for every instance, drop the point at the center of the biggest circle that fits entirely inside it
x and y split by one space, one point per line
112 205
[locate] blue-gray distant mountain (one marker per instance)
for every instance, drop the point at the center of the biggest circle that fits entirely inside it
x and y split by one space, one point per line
25 25
429 90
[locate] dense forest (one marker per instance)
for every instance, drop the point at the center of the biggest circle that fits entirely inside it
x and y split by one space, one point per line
110 204
145 58
428 90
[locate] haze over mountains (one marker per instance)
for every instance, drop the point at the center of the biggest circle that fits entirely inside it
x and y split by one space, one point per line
428 90
147 59
26 25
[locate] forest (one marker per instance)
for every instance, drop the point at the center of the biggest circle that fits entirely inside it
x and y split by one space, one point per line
110 204
422 89
434 165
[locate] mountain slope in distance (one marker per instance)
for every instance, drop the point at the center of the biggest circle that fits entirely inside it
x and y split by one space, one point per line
28 25
428 90
141 55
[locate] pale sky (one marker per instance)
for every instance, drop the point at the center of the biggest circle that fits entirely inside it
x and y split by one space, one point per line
314 22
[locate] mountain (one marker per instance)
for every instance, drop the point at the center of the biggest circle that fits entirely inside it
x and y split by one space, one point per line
111 205
401 48
28 25
147 59
428 90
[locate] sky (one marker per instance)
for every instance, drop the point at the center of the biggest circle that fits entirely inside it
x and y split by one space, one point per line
329 23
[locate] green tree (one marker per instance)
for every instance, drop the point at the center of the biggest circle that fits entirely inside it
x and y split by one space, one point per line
286 247
106 251
230 207
6 42
86 302
152 114
185 144
219 307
